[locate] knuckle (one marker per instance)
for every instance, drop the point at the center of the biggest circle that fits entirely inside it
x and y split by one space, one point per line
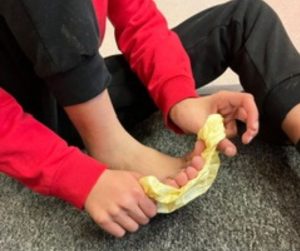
101 219
133 196
137 193
249 96
127 202
218 94
115 212
222 93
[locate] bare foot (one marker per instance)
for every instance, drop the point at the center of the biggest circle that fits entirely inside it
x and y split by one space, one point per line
192 164
107 141
133 156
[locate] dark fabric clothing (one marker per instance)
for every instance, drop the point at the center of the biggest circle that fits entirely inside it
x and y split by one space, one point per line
298 146
18 77
248 37
245 35
61 40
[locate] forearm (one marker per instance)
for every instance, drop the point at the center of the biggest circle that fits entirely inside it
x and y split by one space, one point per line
34 155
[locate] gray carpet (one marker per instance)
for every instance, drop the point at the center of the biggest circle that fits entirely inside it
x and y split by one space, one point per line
253 205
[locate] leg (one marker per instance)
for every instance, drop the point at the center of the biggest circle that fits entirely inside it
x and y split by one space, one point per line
130 98
18 77
247 36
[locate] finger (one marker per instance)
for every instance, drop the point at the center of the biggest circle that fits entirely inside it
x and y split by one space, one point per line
138 215
147 206
251 131
227 147
248 103
226 108
126 222
241 114
113 228
231 129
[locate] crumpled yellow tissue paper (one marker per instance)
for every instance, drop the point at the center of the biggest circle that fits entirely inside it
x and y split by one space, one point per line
170 198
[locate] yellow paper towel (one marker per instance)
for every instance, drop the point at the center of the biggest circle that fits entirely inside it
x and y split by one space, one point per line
170 198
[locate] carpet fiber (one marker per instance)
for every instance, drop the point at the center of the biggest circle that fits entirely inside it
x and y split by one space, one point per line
254 204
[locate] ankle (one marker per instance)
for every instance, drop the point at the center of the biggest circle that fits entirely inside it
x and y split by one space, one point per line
117 152
291 124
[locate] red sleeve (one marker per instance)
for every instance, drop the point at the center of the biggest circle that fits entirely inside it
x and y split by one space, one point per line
34 155
154 52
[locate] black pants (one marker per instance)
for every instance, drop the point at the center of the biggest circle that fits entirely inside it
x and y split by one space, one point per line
245 35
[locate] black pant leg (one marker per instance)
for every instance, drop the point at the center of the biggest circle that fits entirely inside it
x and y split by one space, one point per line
129 96
214 39
247 36
17 76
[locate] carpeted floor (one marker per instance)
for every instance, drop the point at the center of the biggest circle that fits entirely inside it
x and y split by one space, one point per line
253 205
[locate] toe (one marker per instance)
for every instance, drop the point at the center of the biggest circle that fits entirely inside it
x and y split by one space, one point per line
197 162
171 182
181 179
191 172
199 147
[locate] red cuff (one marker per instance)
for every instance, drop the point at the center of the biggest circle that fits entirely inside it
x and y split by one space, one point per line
174 91
37 157
76 177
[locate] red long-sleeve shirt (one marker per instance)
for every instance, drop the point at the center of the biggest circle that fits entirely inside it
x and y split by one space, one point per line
32 154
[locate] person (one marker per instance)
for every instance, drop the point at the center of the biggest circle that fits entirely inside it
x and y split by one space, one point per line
51 66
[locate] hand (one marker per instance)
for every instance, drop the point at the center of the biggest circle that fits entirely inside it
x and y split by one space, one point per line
191 114
117 203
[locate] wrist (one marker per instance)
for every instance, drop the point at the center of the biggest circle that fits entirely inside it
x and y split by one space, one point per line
185 114
178 109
